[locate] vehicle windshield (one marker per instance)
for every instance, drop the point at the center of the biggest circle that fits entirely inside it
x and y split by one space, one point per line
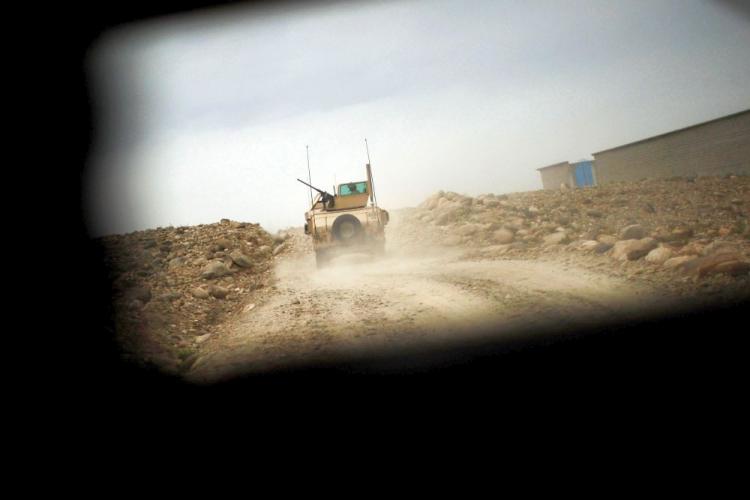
353 188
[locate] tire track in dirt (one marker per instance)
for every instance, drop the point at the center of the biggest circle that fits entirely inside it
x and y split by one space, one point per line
357 306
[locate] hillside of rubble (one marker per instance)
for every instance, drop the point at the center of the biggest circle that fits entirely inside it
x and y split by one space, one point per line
173 287
680 231
179 292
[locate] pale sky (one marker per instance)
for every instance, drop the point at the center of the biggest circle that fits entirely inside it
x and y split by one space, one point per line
206 116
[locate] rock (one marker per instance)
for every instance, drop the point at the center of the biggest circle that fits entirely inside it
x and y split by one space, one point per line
659 255
594 213
279 249
447 216
606 238
224 244
633 249
502 236
224 222
602 247
706 265
139 293
693 248
633 232
555 239
732 267
681 233
241 259
214 269
467 229
248 308
719 246
589 245
176 262
199 293
202 338
676 262
170 296
218 291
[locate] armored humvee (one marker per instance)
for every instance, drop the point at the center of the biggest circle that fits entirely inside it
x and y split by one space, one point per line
343 222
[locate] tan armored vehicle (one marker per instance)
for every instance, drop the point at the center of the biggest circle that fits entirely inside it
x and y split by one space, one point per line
343 222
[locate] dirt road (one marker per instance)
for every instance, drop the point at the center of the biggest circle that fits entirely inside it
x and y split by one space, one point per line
409 301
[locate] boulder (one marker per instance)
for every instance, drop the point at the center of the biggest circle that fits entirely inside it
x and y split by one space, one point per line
555 238
447 216
241 259
606 238
502 236
589 245
633 232
676 262
139 293
681 233
659 255
719 246
467 229
214 269
176 262
224 243
170 296
218 291
702 266
199 293
602 247
732 267
202 338
633 249
693 248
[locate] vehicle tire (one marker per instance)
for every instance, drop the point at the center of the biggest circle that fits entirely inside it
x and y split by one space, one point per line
347 229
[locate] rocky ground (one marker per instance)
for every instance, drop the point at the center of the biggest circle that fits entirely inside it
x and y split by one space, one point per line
685 234
213 300
172 288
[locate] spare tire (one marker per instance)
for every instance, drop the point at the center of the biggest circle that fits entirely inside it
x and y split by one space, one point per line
347 229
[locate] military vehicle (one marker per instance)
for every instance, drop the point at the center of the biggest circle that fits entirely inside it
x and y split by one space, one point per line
343 222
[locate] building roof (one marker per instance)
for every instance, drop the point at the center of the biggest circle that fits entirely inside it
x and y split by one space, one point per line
673 132
554 165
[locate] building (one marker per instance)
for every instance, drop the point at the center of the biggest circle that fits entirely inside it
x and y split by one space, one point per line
716 147
578 174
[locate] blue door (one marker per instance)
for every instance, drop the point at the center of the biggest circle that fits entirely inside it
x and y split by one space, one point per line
584 174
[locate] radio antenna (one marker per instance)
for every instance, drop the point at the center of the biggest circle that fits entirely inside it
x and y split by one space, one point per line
309 177
369 173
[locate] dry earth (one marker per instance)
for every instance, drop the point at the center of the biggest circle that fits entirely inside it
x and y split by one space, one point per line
405 301
457 269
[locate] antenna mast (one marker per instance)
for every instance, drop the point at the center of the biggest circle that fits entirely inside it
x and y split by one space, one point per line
369 172
309 177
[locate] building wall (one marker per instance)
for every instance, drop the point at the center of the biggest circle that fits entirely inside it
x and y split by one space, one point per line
717 148
555 175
